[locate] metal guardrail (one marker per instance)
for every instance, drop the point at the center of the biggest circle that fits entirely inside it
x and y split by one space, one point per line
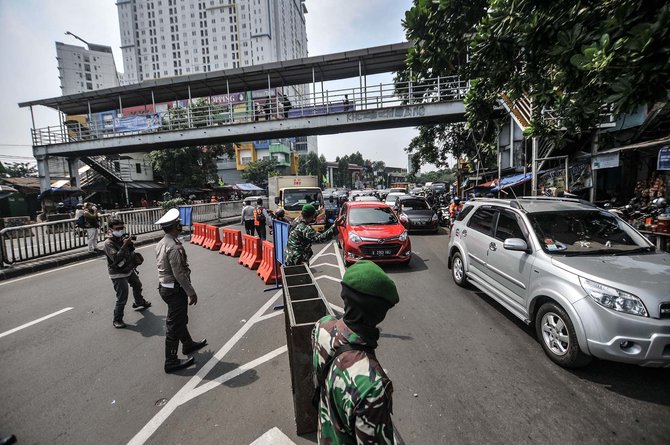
32 241
367 97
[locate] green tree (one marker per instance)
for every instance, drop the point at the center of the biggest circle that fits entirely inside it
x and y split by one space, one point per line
189 166
312 164
569 57
259 171
17 170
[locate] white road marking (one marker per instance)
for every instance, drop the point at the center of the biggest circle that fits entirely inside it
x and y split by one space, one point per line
339 261
328 277
326 264
270 315
23 326
234 373
273 437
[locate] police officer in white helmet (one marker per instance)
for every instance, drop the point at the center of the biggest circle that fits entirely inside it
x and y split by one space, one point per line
174 278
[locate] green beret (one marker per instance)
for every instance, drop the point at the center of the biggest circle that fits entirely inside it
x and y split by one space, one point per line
308 210
367 278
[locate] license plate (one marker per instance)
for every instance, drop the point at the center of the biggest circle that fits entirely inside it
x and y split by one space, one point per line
386 252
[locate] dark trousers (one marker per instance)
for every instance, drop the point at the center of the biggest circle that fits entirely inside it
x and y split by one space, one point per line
121 288
177 314
260 229
249 226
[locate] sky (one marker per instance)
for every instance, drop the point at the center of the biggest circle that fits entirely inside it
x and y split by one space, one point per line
30 28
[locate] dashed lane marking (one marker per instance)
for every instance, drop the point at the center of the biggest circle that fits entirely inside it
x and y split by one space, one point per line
23 326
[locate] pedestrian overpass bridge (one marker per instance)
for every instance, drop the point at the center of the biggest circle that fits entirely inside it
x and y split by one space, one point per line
268 101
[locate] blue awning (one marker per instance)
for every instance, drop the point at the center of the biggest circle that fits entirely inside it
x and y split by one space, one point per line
512 181
247 187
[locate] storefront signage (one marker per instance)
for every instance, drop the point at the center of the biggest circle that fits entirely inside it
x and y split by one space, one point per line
609 160
663 158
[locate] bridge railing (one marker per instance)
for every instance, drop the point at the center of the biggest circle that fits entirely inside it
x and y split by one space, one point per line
203 114
32 241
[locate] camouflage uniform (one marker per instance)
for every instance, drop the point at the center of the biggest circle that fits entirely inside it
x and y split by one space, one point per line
299 247
355 402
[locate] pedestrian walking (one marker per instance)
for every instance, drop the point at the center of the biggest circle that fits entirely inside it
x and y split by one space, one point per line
286 105
122 261
248 218
353 392
280 215
175 288
261 218
92 225
299 246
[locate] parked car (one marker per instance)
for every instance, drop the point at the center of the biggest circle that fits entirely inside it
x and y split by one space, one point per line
590 283
371 231
416 215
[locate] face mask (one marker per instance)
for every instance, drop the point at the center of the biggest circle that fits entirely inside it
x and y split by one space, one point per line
179 228
118 233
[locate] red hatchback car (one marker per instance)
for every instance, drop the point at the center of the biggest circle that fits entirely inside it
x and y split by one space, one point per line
371 231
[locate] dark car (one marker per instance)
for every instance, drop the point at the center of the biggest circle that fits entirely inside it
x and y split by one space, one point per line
416 215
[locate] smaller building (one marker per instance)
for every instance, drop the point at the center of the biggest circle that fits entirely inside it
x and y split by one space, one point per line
85 69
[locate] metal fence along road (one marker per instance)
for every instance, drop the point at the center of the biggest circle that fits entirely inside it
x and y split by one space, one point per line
34 241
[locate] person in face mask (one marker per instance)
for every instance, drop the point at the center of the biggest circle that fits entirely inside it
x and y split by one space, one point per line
353 392
175 288
122 260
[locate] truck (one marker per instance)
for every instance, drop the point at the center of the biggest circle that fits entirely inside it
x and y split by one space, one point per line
292 192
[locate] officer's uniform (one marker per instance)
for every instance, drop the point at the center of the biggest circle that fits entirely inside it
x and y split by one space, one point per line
174 278
355 399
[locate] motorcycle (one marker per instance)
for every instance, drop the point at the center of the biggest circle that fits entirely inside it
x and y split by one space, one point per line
443 218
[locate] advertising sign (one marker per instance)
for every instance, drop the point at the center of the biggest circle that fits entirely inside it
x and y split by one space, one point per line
137 123
579 178
663 158
609 160
232 98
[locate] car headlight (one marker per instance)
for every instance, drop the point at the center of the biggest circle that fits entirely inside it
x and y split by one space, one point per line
434 218
354 238
614 299
403 236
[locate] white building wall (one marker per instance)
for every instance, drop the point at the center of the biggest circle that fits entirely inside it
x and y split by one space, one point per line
81 69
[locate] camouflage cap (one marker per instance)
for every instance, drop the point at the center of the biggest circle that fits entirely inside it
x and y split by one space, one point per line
308 210
368 278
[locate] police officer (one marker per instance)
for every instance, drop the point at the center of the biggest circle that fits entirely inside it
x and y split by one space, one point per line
354 392
174 278
299 246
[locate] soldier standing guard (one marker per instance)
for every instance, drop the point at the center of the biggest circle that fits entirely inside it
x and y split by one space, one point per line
299 245
174 278
354 393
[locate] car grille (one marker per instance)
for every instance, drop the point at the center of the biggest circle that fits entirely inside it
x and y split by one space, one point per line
665 310
380 250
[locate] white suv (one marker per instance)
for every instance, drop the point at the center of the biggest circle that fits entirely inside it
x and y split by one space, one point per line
591 284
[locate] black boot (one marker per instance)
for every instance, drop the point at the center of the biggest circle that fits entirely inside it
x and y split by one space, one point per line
192 346
172 363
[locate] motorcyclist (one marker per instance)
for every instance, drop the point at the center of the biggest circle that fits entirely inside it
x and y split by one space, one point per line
455 207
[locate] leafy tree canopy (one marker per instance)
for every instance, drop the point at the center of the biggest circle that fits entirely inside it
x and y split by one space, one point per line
17 170
258 172
189 166
569 57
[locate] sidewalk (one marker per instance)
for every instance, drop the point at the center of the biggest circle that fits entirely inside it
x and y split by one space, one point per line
81 254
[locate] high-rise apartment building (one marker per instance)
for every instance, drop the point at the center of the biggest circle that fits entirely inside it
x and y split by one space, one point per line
83 69
165 38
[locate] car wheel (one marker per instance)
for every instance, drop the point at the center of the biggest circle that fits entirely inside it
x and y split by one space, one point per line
458 270
556 334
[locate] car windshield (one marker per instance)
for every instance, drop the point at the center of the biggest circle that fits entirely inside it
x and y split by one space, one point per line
391 197
585 232
296 198
414 204
371 216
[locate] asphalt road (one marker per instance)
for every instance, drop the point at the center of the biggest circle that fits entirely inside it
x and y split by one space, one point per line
464 371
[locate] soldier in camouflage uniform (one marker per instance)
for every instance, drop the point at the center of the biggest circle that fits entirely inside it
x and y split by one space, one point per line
355 401
299 246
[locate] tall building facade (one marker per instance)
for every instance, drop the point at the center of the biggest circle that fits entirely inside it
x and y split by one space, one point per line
83 69
165 38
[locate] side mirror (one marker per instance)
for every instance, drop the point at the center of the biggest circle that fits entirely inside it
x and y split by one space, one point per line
515 244
277 200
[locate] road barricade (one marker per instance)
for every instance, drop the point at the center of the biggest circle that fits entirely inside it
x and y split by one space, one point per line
269 265
198 234
251 252
212 238
232 242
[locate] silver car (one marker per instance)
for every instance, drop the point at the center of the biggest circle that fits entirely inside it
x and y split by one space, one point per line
591 284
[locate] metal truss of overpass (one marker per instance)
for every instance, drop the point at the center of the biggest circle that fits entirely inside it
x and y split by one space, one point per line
363 107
